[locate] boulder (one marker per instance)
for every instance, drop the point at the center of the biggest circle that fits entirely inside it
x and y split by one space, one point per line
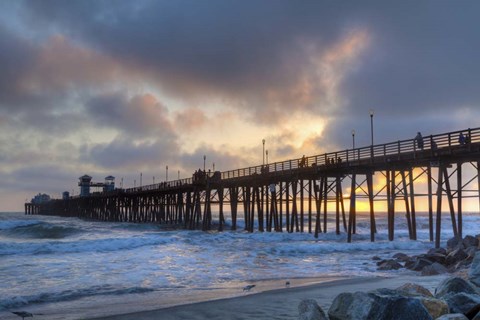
474 272
471 252
454 285
453 316
310 310
437 251
462 302
435 307
434 269
381 304
436 257
419 264
376 258
389 265
402 257
454 243
414 290
470 241
456 256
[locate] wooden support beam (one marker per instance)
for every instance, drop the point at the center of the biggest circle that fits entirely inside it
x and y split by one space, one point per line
450 201
459 199
318 202
407 205
310 182
352 208
430 202
412 204
370 200
439 206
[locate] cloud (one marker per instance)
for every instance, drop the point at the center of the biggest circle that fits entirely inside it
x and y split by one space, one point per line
139 116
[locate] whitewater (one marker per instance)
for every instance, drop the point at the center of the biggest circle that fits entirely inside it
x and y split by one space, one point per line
70 268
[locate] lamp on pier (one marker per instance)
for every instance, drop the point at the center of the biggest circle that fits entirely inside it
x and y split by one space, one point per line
213 165
204 159
166 173
266 153
263 152
372 112
140 179
153 179
353 139
178 174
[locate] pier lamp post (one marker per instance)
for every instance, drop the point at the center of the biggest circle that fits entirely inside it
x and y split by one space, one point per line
266 153
204 158
353 143
213 165
153 179
371 131
166 173
134 183
178 174
140 179
353 139
121 183
372 112
263 152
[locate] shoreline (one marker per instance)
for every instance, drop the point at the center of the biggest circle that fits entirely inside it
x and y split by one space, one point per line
280 303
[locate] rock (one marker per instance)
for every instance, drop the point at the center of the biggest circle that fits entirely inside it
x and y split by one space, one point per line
434 269
453 316
462 302
474 272
470 241
436 257
454 243
456 256
379 262
437 251
381 304
460 265
310 310
474 312
419 264
389 265
435 307
454 285
413 290
376 258
471 252
401 257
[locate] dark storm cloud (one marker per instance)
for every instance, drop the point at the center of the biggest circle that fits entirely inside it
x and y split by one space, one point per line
17 56
423 54
241 51
139 116
124 153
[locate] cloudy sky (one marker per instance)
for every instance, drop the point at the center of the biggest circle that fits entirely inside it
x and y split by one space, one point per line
128 87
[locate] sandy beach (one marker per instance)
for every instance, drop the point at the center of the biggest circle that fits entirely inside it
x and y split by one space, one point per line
276 304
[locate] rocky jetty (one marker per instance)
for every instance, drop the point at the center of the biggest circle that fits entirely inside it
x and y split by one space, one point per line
455 298
458 255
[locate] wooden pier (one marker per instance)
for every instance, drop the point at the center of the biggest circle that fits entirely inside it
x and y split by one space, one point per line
293 195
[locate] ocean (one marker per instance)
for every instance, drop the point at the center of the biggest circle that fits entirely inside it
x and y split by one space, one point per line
68 268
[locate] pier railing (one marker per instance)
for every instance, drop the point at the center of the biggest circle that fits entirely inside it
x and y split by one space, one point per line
363 155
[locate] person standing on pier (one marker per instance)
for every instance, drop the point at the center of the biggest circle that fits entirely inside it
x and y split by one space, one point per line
419 140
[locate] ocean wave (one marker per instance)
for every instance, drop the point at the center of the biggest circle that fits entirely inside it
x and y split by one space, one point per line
69 295
81 245
38 230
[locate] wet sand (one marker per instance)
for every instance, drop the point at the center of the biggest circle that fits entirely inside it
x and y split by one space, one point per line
276 304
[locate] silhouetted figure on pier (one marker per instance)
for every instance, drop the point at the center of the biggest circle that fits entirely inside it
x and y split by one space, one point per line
419 140
461 139
303 162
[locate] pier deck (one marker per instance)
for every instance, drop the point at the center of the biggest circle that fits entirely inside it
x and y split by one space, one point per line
293 195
